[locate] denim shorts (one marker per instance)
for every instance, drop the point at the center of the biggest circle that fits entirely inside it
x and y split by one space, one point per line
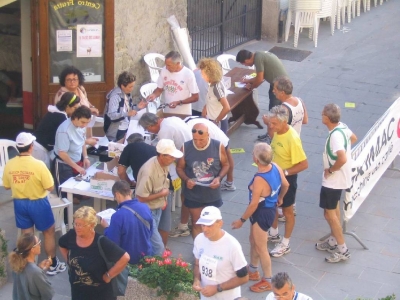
29 213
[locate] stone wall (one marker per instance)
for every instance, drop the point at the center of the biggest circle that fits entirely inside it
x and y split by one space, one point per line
141 27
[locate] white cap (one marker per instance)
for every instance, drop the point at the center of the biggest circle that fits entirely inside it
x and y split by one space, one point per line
24 139
209 215
166 146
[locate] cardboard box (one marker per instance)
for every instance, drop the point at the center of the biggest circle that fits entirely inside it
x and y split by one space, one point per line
115 149
103 181
161 114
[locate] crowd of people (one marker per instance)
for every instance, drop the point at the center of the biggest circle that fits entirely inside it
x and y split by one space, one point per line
191 153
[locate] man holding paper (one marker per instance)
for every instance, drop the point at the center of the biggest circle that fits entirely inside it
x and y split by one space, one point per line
201 168
131 227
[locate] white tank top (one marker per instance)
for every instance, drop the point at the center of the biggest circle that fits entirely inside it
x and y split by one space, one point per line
297 115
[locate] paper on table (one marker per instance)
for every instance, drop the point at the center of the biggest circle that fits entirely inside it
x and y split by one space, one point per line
103 141
134 127
92 122
240 84
139 114
229 92
106 214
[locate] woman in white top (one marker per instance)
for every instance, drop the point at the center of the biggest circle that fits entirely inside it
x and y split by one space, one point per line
217 106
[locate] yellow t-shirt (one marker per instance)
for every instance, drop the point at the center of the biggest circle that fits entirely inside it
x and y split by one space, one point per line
288 150
27 177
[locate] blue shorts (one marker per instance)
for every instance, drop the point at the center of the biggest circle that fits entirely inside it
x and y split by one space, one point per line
264 216
29 213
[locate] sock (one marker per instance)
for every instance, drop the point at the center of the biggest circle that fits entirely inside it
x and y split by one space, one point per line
280 211
183 226
55 261
273 231
332 241
267 279
252 268
342 248
285 241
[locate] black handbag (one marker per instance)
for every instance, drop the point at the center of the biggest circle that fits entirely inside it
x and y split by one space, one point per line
120 281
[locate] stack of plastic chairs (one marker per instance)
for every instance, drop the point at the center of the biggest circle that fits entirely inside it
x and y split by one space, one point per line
151 59
303 14
328 10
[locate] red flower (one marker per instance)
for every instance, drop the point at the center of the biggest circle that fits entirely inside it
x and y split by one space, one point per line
140 267
167 261
160 263
166 254
184 264
153 259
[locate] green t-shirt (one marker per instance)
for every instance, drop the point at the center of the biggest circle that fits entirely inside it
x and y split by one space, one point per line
270 64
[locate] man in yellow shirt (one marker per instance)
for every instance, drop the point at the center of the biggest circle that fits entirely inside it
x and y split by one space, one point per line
290 156
30 181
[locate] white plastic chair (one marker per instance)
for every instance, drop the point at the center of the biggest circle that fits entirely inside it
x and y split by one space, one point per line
4 145
302 14
224 61
145 91
57 206
151 61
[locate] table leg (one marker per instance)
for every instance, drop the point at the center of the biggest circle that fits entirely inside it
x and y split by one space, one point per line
249 110
70 198
97 204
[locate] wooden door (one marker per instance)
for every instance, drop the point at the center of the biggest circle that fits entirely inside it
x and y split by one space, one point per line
71 32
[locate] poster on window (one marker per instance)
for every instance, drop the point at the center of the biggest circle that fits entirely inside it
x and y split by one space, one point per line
89 40
64 40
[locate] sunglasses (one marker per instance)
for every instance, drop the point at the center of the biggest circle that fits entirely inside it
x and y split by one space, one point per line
201 132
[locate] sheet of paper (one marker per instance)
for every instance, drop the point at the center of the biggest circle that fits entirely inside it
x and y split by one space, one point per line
106 214
139 114
202 184
102 141
349 104
134 127
229 92
240 84
237 150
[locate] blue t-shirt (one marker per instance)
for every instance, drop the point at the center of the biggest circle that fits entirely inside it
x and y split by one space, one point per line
273 178
70 139
128 232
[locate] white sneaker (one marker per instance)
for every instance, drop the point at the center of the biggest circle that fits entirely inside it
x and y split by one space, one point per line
338 256
279 250
227 187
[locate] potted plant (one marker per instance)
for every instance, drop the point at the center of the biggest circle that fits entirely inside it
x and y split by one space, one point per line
3 258
161 276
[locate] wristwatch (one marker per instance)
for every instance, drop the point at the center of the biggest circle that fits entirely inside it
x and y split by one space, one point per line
286 172
243 220
219 288
180 102
330 172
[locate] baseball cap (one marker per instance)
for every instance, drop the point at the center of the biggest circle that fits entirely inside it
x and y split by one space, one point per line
24 139
209 215
166 146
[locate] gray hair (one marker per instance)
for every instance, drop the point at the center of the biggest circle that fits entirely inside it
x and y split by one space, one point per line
148 119
121 187
280 279
263 153
134 138
279 112
175 56
284 84
332 111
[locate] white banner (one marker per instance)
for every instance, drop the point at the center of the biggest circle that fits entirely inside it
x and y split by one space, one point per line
372 156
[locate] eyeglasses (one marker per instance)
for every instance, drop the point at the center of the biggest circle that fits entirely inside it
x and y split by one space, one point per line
72 80
80 225
37 244
198 131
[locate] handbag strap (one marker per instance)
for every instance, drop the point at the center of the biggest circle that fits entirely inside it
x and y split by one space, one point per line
101 250
147 224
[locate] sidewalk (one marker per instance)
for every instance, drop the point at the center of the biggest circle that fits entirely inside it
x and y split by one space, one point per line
359 65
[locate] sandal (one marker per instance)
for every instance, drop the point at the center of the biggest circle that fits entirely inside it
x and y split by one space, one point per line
261 286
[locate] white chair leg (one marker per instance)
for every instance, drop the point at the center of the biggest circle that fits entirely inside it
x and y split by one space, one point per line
310 33
288 23
353 9
343 15
375 2
358 8
348 13
332 25
296 30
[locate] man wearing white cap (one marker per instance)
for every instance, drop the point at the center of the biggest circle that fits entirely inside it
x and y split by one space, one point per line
220 267
152 185
30 181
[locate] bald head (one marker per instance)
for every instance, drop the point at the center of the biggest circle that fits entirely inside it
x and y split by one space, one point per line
200 135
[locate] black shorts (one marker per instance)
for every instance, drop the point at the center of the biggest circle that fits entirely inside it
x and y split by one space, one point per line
264 216
329 198
290 196
194 204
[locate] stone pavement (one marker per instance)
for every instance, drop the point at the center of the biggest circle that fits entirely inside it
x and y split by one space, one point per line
357 65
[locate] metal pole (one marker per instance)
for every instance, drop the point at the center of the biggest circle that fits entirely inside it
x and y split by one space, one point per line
346 233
